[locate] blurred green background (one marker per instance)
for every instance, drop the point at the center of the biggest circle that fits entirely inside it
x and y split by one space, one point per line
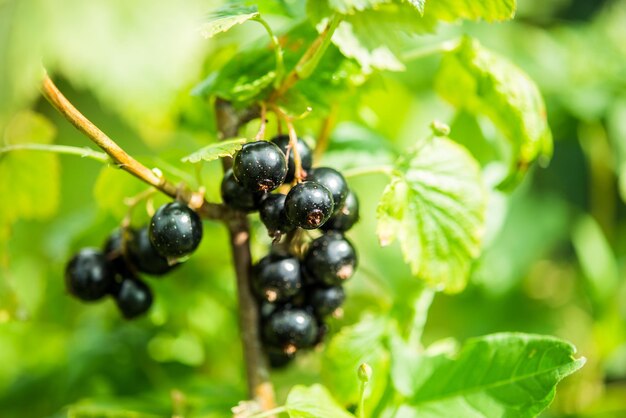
554 256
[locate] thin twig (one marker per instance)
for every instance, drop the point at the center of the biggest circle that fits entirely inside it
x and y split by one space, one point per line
122 159
324 136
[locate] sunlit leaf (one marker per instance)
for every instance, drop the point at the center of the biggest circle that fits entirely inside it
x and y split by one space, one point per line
214 151
489 10
314 402
493 376
226 17
28 180
481 82
435 207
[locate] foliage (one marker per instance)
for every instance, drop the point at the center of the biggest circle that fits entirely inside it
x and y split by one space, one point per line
535 250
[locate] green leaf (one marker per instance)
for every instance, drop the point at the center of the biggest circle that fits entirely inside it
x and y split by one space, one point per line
596 258
435 207
214 151
452 10
475 79
225 18
513 375
313 402
352 346
112 186
29 180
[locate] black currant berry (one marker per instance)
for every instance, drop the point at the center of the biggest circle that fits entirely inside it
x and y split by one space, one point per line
175 230
333 181
133 297
144 257
273 215
308 205
290 329
326 300
305 153
89 275
260 166
279 359
345 217
236 196
114 249
276 278
331 259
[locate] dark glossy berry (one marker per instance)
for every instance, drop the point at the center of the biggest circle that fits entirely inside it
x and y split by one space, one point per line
305 153
326 300
236 196
133 297
345 217
276 278
290 329
308 205
175 230
333 181
88 275
331 259
279 359
273 215
260 166
114 249
144 257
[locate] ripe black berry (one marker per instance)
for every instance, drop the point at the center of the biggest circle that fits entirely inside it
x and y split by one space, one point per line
114 249
305 153
273 215
175 230
333 181
144 257
279 359
331 259
133 297
345 217
236 196
290 329
276 278
326 300
260 166
308 205
88 275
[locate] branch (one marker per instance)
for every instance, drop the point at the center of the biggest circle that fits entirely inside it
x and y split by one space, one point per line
123 160
259 386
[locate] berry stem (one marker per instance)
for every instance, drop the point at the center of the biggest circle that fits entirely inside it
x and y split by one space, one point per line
259 386
324 136
119 156
293 142
261 134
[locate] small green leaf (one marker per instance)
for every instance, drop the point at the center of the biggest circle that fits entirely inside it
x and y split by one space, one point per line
494 376
29 180
418 4
351 347
313 402
225 18
475 79
112 186
435 207
214 151
452 10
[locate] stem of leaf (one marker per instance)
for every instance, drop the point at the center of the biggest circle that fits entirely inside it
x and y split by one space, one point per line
60 149
308 62
430 50
278 51
362 171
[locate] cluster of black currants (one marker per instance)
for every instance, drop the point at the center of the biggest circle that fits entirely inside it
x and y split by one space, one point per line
174 232
296 292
